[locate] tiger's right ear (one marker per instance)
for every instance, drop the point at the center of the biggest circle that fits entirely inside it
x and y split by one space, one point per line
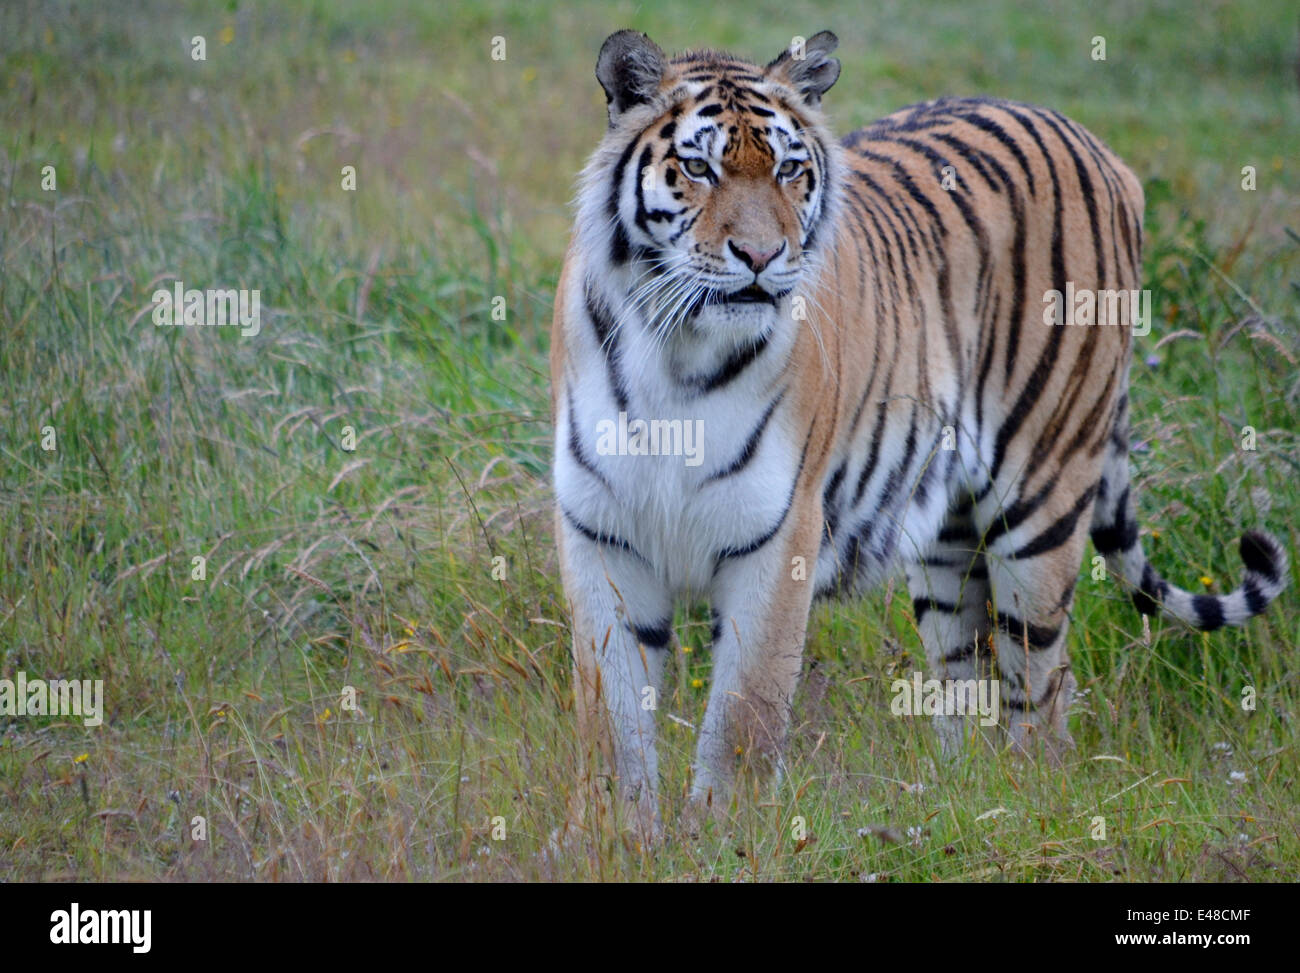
629 68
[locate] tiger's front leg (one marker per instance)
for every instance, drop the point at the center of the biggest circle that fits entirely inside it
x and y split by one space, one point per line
761 600
622 627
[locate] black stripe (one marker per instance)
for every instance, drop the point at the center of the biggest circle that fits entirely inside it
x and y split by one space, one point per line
1022 705
1090 200
909 186
1209 612
922 605
967 569
1032 392
730 369
881 195
872 457
654 636
606 540
1256 600
1009 518
975 158
991 127
894 481
1109 180
1038 636
750 447
1121 535
575 445
961 531
619 246
1151 592
758 542
976 226
1261 555
1059 531
977 647
643 215
833 484
608 341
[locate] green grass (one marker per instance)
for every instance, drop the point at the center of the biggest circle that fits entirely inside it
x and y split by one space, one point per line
373 568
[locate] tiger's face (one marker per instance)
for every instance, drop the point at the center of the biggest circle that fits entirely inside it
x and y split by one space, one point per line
719 186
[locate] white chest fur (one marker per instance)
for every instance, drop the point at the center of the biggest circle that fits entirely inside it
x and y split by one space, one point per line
651 451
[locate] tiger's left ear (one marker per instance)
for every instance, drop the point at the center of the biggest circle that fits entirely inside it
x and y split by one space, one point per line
807 66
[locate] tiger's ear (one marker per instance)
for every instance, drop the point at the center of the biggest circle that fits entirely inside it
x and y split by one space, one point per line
808 67
629 68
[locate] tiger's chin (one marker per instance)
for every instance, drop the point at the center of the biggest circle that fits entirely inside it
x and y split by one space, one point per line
725 327
743 315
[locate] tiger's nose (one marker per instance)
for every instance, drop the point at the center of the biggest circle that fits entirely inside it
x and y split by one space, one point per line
754 258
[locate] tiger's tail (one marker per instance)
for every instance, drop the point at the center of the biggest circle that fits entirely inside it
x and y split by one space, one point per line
1115 536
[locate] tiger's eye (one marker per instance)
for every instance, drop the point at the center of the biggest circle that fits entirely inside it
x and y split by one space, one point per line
696 167
787 168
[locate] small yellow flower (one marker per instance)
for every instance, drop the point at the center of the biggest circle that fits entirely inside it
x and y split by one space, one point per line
687 650
326 715
697 683
1155 534
227 34
81 759
1206 580
740 751
530 75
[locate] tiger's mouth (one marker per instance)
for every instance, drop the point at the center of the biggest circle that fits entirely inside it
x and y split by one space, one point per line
753 294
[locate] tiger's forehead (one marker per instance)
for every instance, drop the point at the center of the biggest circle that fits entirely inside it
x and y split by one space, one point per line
730 111
736 85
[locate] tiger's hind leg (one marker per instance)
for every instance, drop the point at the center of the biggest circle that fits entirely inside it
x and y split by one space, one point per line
950 592
1032 551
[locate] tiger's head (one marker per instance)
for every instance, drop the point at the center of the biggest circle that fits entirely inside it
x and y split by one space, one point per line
712 180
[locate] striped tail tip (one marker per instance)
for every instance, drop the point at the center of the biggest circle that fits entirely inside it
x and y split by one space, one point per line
1266 569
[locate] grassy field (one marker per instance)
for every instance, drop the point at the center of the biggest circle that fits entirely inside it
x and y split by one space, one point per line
373 567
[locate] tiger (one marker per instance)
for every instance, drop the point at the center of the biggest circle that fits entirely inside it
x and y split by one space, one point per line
785 367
